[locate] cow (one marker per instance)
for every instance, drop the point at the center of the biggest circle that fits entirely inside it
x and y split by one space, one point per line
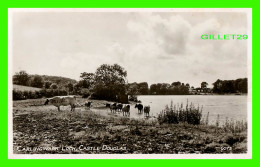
139 107
88 104
113 107
119 107
62 101
126 110
147 110
108 105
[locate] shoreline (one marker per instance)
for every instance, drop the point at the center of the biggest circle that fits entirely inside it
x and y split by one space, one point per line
243 94
86 129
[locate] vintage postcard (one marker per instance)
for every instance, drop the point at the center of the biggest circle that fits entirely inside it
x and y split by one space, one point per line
128 83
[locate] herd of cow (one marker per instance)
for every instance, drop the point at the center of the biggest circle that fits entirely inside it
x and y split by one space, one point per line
118 107
125 109
114 107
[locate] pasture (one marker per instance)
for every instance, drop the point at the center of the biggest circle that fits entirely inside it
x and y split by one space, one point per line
37 129
25 88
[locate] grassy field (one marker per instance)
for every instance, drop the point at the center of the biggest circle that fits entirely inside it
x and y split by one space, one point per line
25 88
42 129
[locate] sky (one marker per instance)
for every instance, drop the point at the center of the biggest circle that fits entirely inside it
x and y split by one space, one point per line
152 47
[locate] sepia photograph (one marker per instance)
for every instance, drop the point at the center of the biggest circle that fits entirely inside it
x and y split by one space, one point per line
126 83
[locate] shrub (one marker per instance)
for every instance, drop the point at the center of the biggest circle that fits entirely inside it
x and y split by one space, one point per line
26 94
32 95
174 115
232 139
62 92
39 94
18 95
48 92
132 98
211 148
85 93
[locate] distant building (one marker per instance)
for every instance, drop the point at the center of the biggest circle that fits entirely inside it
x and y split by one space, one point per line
198 90
192 90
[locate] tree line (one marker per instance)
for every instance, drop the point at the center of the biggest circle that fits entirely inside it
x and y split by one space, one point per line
230 86
158 88
109 82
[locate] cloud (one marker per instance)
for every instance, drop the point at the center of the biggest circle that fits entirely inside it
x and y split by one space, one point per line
152 47
167 35
117 52
175 40
77 63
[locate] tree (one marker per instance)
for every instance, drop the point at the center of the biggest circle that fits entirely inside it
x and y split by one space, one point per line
242 86
176 88
69 87
37 82
47 84
110 82
82 84
110 74
230 86
163 89
183 90
21 78
76 88
143 88
153 89
176 84
204 86
217 86
88 80
54 86
132 89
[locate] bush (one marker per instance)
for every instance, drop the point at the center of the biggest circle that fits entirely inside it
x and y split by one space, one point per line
23 95
179 114
26 94
85 93
132 98
232 139
18 95
211 148
32 95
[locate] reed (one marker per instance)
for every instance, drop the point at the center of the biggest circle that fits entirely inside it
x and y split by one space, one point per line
176 114
234 126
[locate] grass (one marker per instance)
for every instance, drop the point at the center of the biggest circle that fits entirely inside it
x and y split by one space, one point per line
235 126
42 126
25 88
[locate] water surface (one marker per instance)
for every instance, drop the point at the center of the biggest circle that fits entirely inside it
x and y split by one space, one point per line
227 106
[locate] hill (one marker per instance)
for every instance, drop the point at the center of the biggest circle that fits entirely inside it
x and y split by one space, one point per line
56 79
